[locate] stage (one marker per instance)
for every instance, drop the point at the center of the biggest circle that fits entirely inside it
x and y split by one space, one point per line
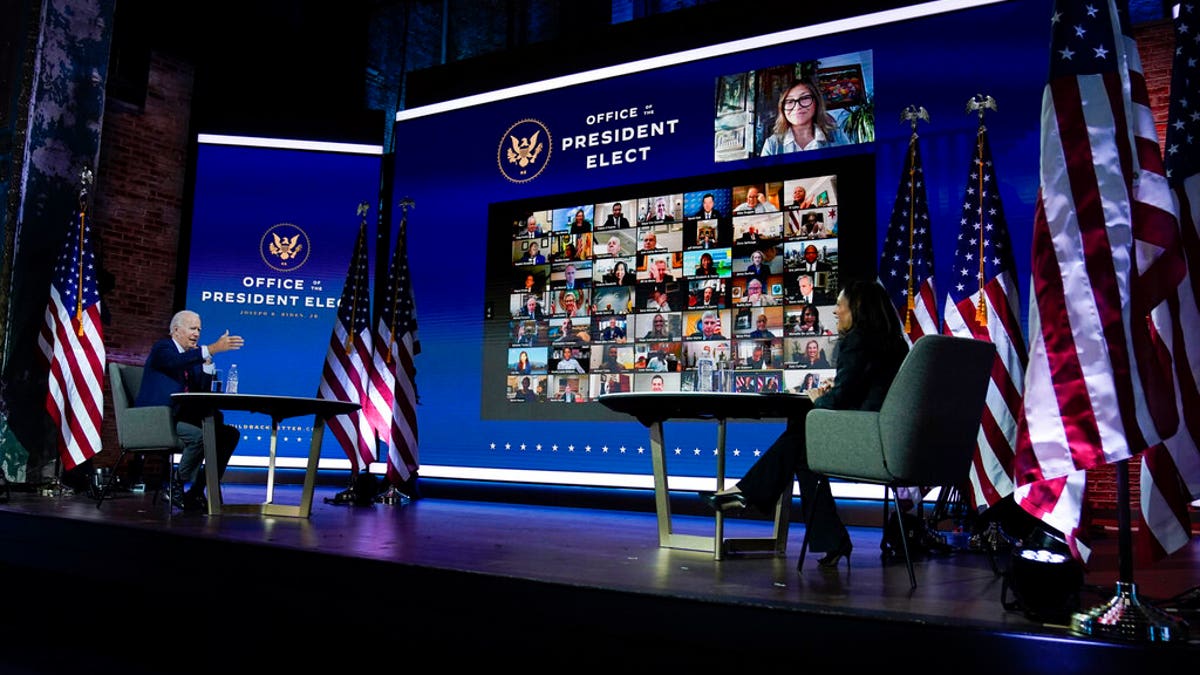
530 586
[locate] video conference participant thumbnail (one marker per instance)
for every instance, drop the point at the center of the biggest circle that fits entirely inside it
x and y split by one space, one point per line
709 204
612 383
660 237
529 278
568 359
615 216
707 293
610 328
755 228
612 358
571 275
612 300
527 306
660 209
659 297
813 353
714 262
526 388
614 271
532 225
568 331
574 220
658 326
810 320
530 251
758 322
527 360
656 382
528 333
708 324
615 243
802 288
757 291
758 354
659 357
568 388
566 247
659 267
574 303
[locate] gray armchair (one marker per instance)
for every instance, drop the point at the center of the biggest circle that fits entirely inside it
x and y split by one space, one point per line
139 430
925 432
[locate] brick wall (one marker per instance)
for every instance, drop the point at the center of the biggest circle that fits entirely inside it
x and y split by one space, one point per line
139 210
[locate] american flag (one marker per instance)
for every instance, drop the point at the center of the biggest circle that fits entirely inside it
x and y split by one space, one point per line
906 261
72 347
1170 473
1098 372
982 303
344 377
393 373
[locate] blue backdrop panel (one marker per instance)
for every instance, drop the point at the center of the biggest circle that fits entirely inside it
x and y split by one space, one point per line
452 161
282 301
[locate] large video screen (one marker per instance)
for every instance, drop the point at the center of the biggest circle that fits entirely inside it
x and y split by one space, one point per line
645 290
558 235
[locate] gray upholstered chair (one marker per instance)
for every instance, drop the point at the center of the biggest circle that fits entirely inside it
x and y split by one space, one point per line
925 432
139 430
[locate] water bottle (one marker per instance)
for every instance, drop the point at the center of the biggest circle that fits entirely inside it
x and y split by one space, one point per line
705 369
231 380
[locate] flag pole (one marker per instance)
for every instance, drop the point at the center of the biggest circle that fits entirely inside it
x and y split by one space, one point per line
981 104
912 114
55 487
1124 616
393 495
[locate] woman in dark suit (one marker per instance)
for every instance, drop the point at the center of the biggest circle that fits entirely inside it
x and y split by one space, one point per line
871 350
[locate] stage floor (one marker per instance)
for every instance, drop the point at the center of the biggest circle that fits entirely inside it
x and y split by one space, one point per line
561 570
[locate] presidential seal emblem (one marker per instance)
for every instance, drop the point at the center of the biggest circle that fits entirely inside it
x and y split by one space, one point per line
524 151
284 247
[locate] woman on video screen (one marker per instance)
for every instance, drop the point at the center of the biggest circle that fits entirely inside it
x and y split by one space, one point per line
803 123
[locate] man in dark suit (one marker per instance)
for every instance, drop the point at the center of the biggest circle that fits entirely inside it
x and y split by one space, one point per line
615 219
178 364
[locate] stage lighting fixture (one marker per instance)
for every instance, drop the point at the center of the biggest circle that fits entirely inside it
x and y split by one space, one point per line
1045 579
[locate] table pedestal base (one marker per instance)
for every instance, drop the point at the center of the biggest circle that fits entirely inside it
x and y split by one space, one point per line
718 543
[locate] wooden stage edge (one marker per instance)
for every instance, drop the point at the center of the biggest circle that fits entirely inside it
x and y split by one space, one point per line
541 587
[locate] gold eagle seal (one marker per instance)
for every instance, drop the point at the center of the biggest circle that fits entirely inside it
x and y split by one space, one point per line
524 151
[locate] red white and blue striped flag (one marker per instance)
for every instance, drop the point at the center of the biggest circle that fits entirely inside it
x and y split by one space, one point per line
1170 473
982 303
71 343
906 259
1099 386
344 376
393 372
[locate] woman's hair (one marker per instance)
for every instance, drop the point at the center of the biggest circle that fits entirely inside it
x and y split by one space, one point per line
811 309
620 265
821 118
870 309
523 358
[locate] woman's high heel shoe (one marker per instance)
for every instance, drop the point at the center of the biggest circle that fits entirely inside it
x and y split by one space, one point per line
831 558
727 501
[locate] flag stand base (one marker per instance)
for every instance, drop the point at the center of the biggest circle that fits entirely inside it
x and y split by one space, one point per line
394 497
1126 618
55 488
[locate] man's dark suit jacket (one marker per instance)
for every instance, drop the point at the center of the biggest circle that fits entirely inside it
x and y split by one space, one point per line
168 371
619 221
